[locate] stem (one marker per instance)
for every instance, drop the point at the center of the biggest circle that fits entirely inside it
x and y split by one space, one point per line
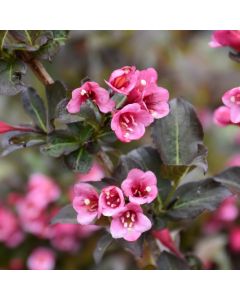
36 66
175 185
106 161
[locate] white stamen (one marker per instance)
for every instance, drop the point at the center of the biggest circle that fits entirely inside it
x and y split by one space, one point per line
118 200
128 214
112 205
126 135
83 92
148 189
143 82
133 218
130 225
122 219
126 119
108 203
87 201
232 99
125 225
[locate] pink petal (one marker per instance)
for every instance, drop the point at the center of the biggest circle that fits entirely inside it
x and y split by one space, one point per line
143 223
85 217
235 114
131 235
116 229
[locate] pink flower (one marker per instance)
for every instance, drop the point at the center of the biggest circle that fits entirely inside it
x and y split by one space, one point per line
232 100
90 90
151 97
111 201
129 123
228 210
130 223
221 116
8 224
140 187
41 259
226 38
85 203
65 237
234 161
234 239
43 189
123 80
96 173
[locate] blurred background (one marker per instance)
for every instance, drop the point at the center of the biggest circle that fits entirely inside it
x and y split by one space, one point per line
187 67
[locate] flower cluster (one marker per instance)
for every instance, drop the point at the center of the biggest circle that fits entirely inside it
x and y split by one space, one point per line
127 219
30 214
145 100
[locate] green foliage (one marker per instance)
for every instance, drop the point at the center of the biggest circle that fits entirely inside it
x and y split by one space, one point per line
168 261
179 136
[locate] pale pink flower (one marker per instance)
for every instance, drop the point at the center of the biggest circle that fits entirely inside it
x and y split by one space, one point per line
96 173
44 189
221 116
232 100
130 223
228 210
111 201
234 239
140 187
226 38
41 259
90 91
65 237
85 203
123 80
8 224
129 123
234 161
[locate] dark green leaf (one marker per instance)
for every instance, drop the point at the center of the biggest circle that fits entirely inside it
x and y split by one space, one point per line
168 261
135 248
193 198
55 92
51 48
145 158
67 215
59 144
79 161
230 178
103 243
179 136
18 140
34 107
11 74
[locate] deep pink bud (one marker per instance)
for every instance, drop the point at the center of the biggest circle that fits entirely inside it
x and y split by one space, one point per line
165 238
111 201
226 38
234 239
130 223
92 91
4 128
232 100
85 203
228 210
140 187
123 80
41 259
129 123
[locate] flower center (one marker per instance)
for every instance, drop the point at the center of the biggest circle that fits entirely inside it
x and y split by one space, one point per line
128 219
112 198
91 204
141 191
235 99
121 82
128 123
